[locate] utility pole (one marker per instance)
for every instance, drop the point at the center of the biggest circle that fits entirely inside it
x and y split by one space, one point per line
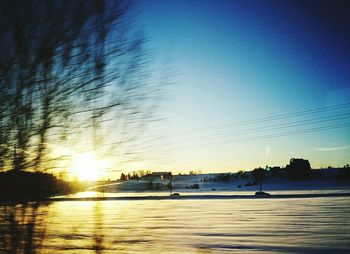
171 183
260 179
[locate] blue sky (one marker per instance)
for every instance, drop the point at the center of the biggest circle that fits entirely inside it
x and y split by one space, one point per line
235 61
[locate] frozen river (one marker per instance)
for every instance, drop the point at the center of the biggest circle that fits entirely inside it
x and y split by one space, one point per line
308 225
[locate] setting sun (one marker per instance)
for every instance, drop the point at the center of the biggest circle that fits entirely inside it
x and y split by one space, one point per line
86 166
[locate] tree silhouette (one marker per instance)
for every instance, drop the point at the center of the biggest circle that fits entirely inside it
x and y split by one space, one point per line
298 169
123 177
68 68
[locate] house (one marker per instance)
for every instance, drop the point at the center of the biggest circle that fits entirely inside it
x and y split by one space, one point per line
161 175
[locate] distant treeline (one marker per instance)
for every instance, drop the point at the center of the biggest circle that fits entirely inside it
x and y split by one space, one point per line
297 170
23 185
134 175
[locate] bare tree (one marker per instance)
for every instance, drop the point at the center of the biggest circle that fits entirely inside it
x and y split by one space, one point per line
68 68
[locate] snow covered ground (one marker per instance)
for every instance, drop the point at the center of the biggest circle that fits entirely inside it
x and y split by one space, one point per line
208 183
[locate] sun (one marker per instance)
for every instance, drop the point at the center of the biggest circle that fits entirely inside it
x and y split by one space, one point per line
86 167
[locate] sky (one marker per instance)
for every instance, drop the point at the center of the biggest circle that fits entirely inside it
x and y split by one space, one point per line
254 83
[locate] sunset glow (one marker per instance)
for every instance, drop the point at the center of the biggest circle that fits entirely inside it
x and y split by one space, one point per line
86 167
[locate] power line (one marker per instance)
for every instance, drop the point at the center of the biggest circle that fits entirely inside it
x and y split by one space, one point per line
272 127
274 135
276 126
271 118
